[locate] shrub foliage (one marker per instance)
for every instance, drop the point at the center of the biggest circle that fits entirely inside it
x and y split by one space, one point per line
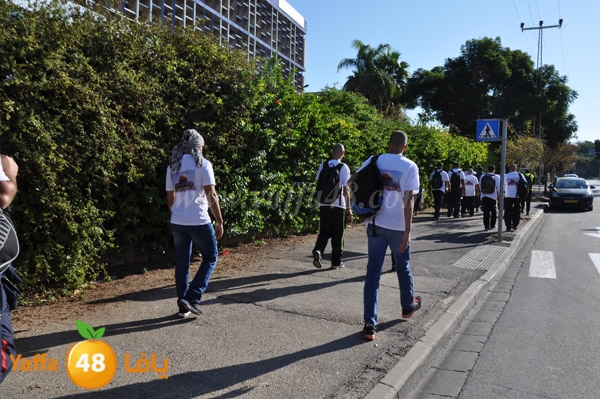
90 108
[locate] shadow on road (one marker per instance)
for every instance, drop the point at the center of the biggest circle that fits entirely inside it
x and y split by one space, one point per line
199 383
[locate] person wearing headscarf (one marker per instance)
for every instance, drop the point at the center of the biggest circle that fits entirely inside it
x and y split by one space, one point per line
190 186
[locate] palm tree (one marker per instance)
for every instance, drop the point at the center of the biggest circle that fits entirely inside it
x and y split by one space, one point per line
378 74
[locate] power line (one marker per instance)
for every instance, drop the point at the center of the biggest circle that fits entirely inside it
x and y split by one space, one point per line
540 28
520 19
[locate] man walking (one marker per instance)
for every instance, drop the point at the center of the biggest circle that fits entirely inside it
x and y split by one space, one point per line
439 182
8 190
489 184
457 189
471 190
526 202
391 226
512 202
190 186
333 197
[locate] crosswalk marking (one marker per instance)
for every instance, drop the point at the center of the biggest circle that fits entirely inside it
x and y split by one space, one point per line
542 264
596 259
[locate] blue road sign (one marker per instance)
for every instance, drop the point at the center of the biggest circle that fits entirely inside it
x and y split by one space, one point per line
488 130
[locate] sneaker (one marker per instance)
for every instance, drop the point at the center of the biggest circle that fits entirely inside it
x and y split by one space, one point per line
183 313
407 313
338 266
369 332
317 259
190 307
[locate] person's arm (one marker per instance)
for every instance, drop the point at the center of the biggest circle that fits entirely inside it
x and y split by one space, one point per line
346 194
213 202
170 200
351 179
409 204
8 188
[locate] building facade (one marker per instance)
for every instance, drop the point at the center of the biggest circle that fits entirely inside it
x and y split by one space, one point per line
262 28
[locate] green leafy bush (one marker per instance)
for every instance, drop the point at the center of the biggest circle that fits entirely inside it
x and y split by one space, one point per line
90 108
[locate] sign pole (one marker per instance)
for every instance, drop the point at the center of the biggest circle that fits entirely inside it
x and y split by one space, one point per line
503 172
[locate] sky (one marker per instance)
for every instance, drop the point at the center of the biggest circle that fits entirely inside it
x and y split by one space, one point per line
427 32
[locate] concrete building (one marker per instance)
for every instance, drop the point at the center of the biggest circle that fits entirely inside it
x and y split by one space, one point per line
262 28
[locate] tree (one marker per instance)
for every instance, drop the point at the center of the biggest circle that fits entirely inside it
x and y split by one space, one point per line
561 158
527 151
379 75
491 81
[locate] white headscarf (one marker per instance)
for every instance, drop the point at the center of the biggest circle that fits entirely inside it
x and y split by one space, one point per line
191 143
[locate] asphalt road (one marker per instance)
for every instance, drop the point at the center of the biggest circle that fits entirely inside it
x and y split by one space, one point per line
283 329
537 328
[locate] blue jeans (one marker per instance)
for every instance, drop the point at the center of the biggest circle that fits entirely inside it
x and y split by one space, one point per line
206 242
378 241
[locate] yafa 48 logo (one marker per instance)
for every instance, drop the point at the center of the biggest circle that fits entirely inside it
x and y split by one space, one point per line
91 363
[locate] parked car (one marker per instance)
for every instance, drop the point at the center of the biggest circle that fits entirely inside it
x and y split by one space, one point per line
571 192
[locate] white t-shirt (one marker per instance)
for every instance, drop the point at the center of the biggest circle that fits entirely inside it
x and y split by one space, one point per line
470 183
511 180
400 174
3 176
445 178
344 177
493 195
461 175
190 207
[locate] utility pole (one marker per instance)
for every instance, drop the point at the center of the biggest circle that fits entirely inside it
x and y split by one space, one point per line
540 29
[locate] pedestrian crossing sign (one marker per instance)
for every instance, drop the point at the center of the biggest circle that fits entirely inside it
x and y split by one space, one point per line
488 130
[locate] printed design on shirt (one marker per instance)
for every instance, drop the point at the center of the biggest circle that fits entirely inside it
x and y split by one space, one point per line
184 181
391 180
512 182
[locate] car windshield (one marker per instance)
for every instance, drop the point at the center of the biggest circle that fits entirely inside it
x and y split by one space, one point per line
571 184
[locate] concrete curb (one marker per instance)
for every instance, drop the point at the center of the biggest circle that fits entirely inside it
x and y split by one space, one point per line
404 378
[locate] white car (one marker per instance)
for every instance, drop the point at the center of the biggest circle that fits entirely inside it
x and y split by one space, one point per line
570 175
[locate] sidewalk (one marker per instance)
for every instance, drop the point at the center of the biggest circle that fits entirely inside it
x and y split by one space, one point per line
286 329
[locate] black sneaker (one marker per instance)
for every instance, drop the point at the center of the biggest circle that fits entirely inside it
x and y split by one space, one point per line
183 313
317 259
407 313
338 266
190 307
369 332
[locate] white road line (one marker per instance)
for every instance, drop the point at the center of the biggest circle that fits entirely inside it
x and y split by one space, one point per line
596 259
542 264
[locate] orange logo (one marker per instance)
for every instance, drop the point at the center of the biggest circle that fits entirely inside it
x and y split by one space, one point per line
91 363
